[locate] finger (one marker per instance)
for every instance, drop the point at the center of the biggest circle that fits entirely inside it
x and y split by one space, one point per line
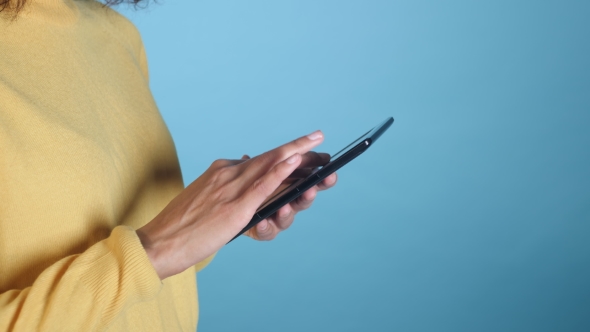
309 161
305 200
285 184
264 186
284 217
262 163
265 230
328 182
220 163
300 173
314 159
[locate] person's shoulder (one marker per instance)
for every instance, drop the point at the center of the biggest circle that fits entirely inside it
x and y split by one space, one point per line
112 20
118 26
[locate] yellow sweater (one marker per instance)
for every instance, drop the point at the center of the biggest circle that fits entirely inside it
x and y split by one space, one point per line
85 158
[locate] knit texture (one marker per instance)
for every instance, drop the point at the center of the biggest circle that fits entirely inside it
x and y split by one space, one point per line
85 159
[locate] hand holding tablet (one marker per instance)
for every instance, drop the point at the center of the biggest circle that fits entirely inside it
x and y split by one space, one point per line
218 204
344 156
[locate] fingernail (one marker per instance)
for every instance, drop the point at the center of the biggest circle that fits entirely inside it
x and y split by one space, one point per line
292 159
315 135
263 225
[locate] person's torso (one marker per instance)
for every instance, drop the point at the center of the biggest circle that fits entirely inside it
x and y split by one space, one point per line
83 149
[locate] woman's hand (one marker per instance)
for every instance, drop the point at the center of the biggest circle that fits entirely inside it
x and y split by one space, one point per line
216 206
268 228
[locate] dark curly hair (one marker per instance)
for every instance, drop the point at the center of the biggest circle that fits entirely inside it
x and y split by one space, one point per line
15 6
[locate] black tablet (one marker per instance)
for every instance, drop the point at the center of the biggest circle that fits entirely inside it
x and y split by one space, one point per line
338 160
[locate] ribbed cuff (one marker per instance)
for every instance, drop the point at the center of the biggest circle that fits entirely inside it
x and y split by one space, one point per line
124 274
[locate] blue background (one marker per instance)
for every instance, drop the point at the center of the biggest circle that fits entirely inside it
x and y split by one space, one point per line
472 213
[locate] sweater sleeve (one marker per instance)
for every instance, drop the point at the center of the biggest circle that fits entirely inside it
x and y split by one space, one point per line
84 292
201 265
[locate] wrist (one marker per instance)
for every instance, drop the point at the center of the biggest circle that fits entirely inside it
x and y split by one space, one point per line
152 253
